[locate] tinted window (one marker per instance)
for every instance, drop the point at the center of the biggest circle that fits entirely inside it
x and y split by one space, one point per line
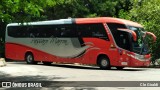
43 31
68 30
123 40
114 26
92 30
17 31
53 31
121 37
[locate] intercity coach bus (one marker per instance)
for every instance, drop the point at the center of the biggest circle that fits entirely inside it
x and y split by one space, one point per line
103 41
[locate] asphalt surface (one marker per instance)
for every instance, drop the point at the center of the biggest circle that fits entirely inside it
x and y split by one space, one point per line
20 71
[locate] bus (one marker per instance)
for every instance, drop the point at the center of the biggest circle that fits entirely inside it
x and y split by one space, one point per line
103 41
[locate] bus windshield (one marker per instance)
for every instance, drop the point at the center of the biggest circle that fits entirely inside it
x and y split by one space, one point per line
123 39
139 46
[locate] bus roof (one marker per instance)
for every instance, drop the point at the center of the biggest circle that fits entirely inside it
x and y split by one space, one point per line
107 20
81 21
49 22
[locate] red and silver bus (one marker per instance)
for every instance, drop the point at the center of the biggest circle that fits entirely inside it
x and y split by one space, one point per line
103 41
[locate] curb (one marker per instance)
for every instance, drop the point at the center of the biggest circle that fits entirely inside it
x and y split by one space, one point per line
2 62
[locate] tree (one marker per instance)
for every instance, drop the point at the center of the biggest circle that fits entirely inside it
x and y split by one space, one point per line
147 13
81 8
21 11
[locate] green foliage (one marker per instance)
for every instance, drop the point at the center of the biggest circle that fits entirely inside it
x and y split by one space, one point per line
33 10
147 13
19 10
87 8
124 14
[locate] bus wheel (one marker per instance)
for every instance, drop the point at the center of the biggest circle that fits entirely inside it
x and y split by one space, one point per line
47 63
30 59
119 67
103 62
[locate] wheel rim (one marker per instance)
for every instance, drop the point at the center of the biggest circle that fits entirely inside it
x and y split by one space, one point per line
29 58
104 63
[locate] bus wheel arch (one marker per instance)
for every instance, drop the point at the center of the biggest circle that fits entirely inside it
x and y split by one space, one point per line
29 58
103 61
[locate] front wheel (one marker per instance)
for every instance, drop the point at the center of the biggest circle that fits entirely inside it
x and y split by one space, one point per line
104 63
30 59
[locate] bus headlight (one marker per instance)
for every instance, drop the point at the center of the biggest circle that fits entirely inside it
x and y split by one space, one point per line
140 56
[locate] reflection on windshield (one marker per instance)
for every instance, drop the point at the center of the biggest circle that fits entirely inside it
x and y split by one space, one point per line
141 45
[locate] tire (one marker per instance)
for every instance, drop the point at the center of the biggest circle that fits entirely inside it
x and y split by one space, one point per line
30 59
119 68
104 63
47 63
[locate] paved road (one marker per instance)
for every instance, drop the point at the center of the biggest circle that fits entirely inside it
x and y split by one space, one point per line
20 71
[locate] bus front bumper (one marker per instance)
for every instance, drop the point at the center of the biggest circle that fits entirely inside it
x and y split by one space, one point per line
138 63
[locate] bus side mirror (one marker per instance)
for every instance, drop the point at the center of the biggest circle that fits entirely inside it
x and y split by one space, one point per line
134 35
153 36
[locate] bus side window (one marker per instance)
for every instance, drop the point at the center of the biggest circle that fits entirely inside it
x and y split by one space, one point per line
98 31
31 32
92 30
83 30
67 31
56 32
